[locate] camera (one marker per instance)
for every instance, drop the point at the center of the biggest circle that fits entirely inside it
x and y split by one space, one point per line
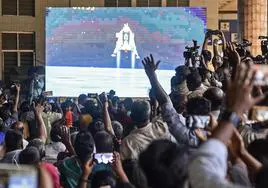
92 95
191 54
264 45
241 48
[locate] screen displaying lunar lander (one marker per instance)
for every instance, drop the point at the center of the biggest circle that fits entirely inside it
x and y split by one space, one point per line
125 45
96 49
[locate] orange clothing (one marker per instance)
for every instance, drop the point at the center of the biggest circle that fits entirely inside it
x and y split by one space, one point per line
69 119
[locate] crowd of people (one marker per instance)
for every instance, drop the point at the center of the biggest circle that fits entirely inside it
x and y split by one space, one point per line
198 136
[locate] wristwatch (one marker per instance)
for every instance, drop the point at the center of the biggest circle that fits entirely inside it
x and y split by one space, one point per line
232 117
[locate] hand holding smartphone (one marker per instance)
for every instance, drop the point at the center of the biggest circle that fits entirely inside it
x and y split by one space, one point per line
104 158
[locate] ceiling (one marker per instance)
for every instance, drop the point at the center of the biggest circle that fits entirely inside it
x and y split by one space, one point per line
227 5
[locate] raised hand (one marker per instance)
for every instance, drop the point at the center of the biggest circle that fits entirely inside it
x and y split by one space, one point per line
103 97
87 169
17 87
239 98
65 135
232 54
149 65
236 146
38 108
117 164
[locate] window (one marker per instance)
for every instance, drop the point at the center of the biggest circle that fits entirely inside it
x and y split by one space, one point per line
18 7
149 3
178 3
117 3
18 51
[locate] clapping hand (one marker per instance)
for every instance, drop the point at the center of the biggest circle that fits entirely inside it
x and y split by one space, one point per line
150 66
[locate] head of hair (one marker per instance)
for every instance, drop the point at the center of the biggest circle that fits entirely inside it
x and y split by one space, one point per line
140 112
55 133
103 178
182 72
82 99
216 96
198 106
38 144
118 129
66 106
84 146
179 101
29 156
18 126
103 142
204 73
128 103
165 164
13 140
92 109
5 112
96 127
25 107
194 80
134 173
55 107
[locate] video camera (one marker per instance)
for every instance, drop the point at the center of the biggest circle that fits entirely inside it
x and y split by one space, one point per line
192 54
241 48
264 45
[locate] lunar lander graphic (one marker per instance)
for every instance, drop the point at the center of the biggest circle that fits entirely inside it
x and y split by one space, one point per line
126 43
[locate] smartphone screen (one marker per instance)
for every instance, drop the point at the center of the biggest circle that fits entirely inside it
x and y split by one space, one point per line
103 158
11 176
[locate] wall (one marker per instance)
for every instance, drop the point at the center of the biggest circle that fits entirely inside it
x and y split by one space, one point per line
212 11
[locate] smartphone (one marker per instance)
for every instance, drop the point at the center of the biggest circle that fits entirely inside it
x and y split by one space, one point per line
103 158
198 122
261 77
51 100
12 176
47 93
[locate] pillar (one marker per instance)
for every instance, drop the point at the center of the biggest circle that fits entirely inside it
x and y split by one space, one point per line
252 16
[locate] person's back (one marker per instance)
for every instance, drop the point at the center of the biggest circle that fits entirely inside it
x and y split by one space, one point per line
194 84
71 168
13 144
165 164
145 133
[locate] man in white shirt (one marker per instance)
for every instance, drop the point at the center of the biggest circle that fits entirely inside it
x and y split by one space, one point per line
146 131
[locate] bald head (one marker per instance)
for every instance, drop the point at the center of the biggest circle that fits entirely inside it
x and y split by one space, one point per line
216 97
